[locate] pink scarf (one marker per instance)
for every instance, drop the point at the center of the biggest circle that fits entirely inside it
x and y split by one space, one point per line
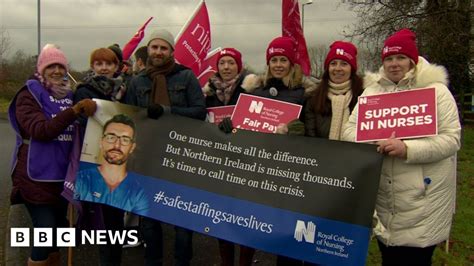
224 89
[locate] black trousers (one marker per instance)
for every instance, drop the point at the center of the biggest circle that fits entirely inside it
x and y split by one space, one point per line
111 254
401 255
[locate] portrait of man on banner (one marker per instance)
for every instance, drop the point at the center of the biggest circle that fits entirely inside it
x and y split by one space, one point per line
110 182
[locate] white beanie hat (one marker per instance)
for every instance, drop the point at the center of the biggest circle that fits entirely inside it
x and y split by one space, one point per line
164 35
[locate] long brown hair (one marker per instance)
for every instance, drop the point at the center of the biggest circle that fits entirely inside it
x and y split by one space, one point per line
320 97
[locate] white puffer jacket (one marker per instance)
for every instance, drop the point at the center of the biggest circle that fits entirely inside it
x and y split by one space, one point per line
414 212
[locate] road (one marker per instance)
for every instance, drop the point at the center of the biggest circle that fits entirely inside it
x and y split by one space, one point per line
205 248
7 142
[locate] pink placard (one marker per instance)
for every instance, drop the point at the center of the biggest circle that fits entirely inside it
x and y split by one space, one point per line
262 114
410 114
217 114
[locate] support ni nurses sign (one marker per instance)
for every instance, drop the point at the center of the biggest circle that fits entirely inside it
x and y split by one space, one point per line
410 114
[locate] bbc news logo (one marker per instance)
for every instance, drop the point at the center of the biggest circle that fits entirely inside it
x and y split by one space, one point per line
66 237
307 232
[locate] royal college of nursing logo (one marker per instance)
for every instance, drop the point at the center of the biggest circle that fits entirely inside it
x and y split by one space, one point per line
307 232
340 51
224 52
256 107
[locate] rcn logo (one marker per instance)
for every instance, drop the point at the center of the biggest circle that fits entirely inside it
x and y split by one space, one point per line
362 100
256 107
307 232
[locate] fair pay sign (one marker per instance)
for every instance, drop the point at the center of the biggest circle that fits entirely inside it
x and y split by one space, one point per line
262 114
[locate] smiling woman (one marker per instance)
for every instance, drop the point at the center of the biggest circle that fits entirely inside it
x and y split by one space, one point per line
284 79
42 115
422 171
336 96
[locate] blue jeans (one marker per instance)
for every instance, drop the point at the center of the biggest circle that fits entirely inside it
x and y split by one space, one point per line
47 215
153 236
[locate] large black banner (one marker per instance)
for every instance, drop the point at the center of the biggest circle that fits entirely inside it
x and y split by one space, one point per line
301 197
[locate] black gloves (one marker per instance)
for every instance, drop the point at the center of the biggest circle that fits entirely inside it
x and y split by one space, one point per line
296 128
226 125
154 111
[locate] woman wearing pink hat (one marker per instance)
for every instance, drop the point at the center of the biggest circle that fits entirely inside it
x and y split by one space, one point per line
416 198
42 115
223 89
284 79
230 80
331 104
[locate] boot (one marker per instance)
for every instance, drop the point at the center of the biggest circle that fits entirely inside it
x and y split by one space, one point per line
38 262
54 258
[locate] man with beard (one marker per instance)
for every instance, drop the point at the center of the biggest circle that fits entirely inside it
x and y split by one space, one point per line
166 87
110 183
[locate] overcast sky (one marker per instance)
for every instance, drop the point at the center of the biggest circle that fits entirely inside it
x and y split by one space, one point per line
80 26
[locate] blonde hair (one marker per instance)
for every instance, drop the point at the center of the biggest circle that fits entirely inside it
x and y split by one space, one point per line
294 78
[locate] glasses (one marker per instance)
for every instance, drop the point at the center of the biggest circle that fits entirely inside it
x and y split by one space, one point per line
112 138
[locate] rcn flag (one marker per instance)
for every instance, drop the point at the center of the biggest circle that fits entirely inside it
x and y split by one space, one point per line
194 40
209 66
134 41
291 27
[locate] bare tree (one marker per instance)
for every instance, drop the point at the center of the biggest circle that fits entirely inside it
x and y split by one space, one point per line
442 28
5 44
4 47
317 54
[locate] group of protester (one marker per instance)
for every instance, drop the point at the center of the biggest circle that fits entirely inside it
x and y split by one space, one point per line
412 216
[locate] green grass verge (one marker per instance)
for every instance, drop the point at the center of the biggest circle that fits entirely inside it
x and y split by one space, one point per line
4 105
461 242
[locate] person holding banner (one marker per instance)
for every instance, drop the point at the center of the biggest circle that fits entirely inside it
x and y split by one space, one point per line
102 85
166 87
104 63
222 89
330 106
416 198
43 115
284 81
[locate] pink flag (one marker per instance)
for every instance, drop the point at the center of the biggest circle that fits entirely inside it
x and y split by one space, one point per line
209 66
194 40
291 27
134 41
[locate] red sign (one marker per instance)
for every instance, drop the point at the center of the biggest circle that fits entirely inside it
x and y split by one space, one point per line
217 114
194 40
291 27
262 114
410 114
209 66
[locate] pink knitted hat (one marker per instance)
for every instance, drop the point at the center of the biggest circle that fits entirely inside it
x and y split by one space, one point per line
401 42
50 55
